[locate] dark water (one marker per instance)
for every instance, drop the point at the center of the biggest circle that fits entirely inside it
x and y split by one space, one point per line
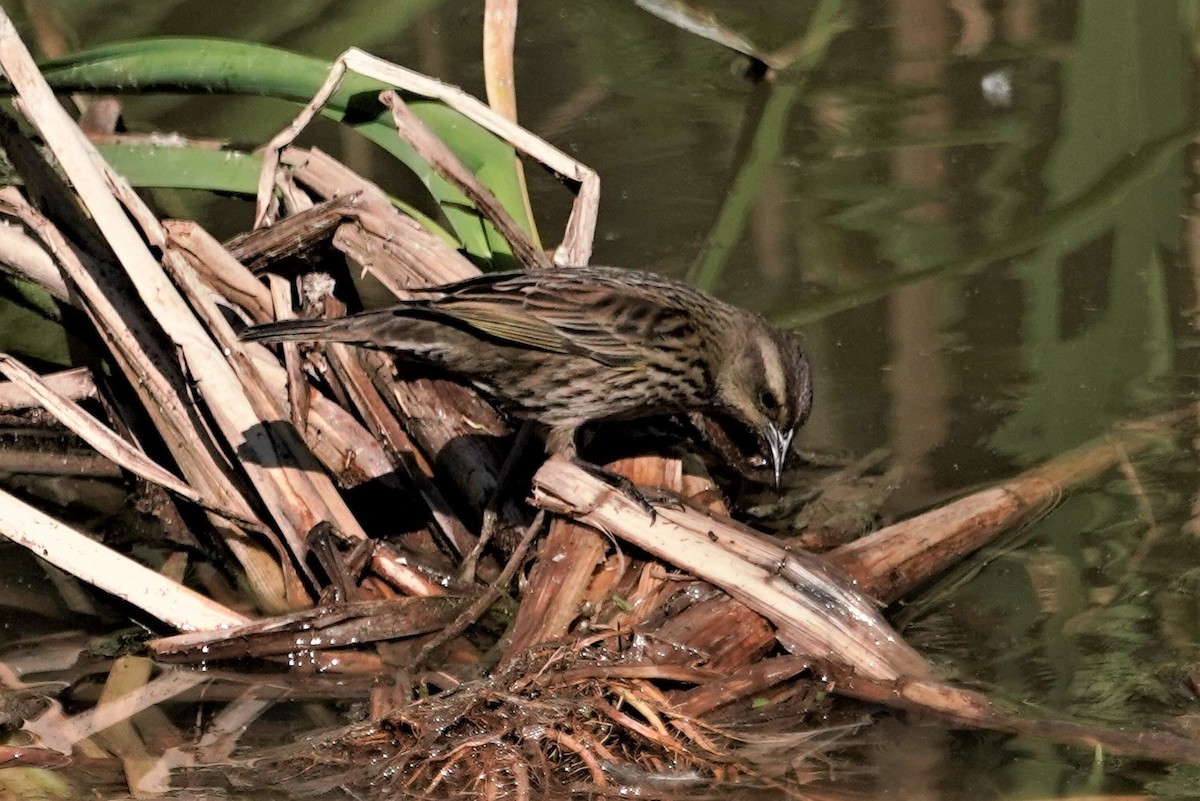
980 215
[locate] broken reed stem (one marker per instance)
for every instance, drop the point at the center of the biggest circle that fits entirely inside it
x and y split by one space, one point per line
814 610
500 84
106 442
99 565
226 399
75 384
443 161
896 559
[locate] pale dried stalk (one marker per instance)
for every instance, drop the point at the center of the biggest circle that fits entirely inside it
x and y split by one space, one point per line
337 439
84 558
75 384
576 247
394 247
144 774
815 612
153 373
164 400
499 41
404 455
297 499
443 162
105 440
499 37
218 269
333 435
163 687
215 380
297 387
25 257
445 418
222 733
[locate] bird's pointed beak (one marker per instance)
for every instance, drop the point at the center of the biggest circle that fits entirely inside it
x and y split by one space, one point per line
778 443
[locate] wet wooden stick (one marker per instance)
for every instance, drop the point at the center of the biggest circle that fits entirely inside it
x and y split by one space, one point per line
895 559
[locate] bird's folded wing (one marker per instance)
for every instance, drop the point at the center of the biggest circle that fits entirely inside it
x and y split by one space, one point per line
541 328
507 323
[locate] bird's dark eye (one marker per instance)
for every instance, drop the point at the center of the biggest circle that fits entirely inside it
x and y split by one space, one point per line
768 400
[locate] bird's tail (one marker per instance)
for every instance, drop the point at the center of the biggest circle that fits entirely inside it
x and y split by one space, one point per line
354 328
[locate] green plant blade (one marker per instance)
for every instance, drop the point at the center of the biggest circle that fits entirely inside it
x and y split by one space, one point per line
231 172
182 65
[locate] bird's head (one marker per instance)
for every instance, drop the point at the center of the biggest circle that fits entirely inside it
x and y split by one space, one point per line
765 384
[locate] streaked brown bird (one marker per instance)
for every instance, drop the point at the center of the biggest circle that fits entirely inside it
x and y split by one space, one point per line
577 345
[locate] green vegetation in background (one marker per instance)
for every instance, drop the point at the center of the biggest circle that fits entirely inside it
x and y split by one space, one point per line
234 67
31 328
203 168
305 26
167 166
229 67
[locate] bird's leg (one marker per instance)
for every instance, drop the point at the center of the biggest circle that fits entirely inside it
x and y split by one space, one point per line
562 441
487 527
646 497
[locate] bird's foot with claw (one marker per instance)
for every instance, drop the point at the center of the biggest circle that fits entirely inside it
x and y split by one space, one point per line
646 497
